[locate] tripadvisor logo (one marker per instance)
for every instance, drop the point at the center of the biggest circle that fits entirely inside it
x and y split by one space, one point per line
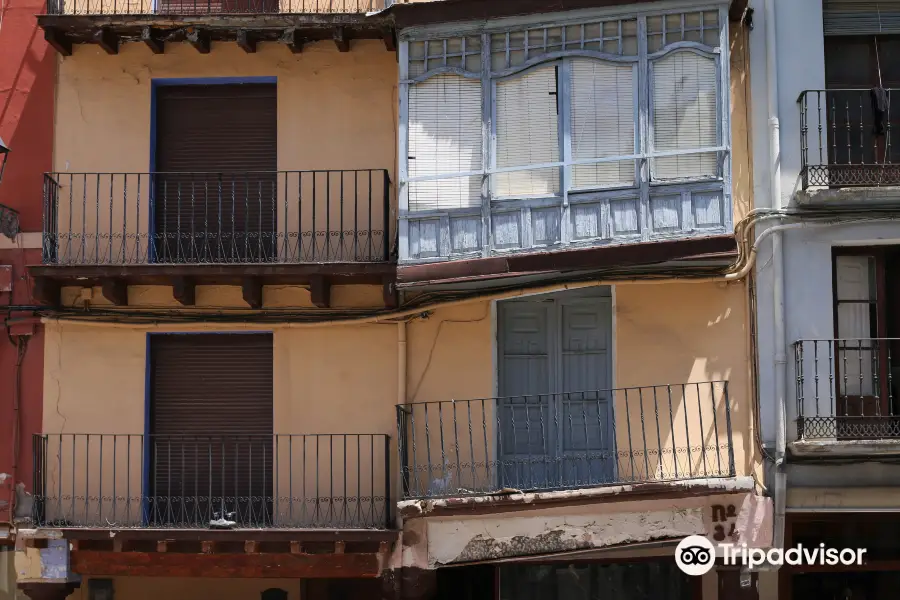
696 555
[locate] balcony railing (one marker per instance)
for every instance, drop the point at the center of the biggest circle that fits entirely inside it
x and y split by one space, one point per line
156 481
845 138
847 389
216 218
210 7
566 440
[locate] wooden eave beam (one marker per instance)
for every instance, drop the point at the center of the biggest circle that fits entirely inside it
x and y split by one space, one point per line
293 40
251 289
46 291
341 39
107 39
184 289
199 39
390 41
320 291
246 41
152 38
116 291
58 40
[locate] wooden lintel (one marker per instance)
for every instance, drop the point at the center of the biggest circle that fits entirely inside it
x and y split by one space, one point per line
296 548
107 39
339 547
390 42
251 287
341 39
389 293
184 289
320 291
207 546
293 40
251 547
162 546
46 291
199 39
246 41
116 291
96 563
154 41
58 40
117 544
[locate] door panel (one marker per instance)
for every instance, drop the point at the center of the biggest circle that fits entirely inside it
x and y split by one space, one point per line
525 378
555 410
586 440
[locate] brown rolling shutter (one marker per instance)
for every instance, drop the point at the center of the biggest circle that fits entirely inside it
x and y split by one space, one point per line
216 155
211 428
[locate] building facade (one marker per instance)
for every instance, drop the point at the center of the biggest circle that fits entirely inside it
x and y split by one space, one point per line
26 139
436 299
825 287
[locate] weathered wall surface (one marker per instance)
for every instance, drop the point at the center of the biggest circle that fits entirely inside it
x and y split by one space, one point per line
27 71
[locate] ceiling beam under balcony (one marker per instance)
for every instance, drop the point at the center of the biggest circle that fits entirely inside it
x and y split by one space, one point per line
184 289
342 39
58 40
199 39
246 41
320 291
152 38
251 289
293 40
107 39
116 291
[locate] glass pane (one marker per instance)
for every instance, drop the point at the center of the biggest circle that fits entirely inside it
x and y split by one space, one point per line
527 133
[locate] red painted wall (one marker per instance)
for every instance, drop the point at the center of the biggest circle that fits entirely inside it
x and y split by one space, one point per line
27 77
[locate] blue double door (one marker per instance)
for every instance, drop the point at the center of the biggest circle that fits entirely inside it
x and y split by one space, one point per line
555 414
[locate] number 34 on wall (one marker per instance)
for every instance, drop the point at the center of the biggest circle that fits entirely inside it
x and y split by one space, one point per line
724 518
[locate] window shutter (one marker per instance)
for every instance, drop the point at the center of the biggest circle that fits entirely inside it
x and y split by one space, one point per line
527 133
602 120
860 17
684 115
444 139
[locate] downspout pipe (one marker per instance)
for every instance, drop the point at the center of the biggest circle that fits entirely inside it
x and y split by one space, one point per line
778 317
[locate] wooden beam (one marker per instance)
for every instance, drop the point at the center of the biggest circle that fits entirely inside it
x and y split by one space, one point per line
341 39
58 40
389 292
46 291
320 291
117 544
184 289
390 42
293 40
162 546
251 547
296 548
116 291
339 547
207 546
95 563
107 39
199 39
246 41
251 287
153 39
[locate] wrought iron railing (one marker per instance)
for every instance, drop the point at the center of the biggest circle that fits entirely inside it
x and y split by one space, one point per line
847 389
845 138
210 7
566 440
217 218
157 481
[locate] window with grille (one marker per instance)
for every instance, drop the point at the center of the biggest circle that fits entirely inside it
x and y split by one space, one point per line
551 114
